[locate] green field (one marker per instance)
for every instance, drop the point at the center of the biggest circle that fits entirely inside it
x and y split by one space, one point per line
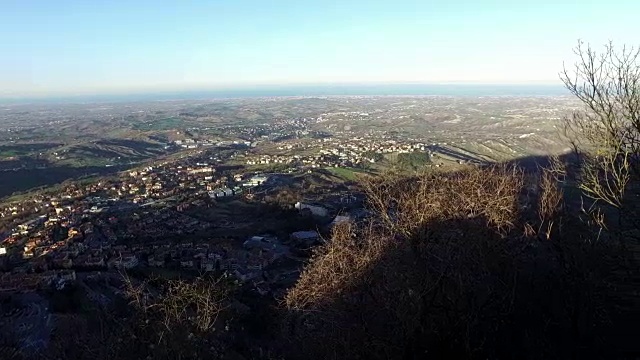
348 174
8 153
414 160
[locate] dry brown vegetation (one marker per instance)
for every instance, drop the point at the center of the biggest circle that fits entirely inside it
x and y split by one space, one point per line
404 203
174 319
334 266
550 196
472 264
197 302
606 132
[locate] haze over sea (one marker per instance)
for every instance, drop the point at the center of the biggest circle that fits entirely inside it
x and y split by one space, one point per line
472 90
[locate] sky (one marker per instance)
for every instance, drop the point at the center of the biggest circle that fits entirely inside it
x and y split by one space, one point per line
59 47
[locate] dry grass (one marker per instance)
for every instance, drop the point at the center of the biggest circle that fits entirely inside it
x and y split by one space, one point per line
455 267
173 319
346 257
197 302
404 203
170 320
550 197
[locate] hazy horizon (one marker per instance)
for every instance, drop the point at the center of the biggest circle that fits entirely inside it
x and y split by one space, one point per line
80 47
307 90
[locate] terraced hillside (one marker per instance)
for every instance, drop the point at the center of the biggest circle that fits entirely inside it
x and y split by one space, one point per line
110 151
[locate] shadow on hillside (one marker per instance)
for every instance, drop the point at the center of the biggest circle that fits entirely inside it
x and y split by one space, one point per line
458 288
13 181
457 155
453 287
533 163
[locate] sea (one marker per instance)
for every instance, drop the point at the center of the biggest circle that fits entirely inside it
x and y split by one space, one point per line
473 90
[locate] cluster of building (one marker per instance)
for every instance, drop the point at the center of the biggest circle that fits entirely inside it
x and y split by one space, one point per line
196 143
51 248
134 219
190 176
56 231
336 152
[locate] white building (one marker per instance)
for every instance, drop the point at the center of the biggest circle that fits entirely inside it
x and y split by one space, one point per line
257 180
315 210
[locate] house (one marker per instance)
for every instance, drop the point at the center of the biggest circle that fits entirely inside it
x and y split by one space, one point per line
214 256
261 287
256 180
245 275
258 242
125 260
40 264
156 261
204 170
220 193
340 219
256 263
305 237
208 265
186 263
66 275
314 209
229 264
62 261
92 261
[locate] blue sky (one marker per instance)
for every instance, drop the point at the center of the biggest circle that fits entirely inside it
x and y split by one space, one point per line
97 46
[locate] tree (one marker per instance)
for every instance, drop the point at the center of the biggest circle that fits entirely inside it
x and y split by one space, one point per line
414 160
606 132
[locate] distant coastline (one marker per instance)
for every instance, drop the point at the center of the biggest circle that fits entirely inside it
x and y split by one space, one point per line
265 91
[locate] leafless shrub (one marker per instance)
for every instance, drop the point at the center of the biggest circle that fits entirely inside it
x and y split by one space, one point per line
158 319
406 202
198 302
607 131
438 239
550 196
453 267
343 259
